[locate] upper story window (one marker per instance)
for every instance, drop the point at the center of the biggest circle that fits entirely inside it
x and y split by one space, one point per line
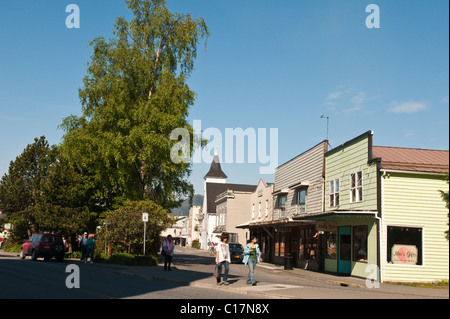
253 211
356 187
259 210
281 204
334 192
301 196
267 207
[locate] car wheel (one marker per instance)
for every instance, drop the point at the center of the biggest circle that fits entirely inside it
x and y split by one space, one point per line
34 255
22 254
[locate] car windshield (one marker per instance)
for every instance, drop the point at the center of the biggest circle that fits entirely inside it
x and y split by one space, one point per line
236 247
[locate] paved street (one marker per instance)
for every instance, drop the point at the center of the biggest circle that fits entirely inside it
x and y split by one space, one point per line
190 279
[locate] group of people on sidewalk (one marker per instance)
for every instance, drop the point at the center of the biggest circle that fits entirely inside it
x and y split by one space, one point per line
252 256
87 246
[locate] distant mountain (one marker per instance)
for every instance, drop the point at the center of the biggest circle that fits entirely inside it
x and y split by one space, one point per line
183 210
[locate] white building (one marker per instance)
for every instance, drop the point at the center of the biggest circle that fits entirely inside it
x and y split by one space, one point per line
194 224
216 184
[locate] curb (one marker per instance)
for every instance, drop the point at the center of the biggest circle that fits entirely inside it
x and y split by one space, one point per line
214 286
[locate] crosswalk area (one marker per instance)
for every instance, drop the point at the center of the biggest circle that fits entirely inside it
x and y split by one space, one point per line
270 287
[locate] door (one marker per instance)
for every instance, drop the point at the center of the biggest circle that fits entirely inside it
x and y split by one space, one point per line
345 250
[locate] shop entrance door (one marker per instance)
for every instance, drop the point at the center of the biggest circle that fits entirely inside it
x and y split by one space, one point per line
344 256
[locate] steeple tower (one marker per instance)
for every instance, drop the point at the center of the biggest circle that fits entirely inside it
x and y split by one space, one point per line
215 171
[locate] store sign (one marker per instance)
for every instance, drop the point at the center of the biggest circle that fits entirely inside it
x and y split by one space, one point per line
284 228
326 226
404 254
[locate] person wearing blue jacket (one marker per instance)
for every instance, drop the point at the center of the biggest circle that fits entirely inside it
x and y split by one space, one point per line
251 258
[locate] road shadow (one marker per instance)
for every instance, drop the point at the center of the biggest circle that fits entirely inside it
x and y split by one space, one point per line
27 279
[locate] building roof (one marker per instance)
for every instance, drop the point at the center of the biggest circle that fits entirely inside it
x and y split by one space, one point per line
215 171
214 189
412 159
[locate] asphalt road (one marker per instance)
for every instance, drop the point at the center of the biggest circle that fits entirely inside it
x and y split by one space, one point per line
26 279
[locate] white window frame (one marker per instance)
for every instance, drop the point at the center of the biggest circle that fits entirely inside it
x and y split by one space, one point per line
357 187
259 210
267 207
334 193
297 197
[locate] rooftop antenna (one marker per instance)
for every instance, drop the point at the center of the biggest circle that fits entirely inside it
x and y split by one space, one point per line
326 117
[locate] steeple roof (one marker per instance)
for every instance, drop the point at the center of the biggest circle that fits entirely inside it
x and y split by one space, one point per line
215 171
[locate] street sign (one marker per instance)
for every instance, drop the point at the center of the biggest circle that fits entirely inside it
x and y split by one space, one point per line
145 220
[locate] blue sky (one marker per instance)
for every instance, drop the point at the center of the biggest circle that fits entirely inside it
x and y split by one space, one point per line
268 64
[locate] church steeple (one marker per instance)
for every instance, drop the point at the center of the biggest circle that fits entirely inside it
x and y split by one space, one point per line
215 171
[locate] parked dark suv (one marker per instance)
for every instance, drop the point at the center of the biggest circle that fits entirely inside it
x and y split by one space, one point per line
45 245
236 252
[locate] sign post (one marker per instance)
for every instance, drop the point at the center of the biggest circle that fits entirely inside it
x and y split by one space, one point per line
145 220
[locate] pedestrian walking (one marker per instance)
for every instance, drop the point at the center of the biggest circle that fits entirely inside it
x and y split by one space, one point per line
223 259
251 258
90 245
211 250
66 246
83 247
167 252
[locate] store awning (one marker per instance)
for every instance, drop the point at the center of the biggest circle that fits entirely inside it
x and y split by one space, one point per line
281 192
298 185
335 215
273 223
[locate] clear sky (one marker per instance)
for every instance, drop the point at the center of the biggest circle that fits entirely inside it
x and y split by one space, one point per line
268 64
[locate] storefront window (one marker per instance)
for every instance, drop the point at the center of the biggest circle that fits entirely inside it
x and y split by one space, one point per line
360 243
282 244
331 245
307 244
301 249
404 245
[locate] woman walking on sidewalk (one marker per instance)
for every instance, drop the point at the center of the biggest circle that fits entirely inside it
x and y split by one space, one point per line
167 252
251 258
223 259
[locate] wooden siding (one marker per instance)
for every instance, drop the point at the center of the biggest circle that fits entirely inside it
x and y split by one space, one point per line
308 166
344 162
414 200
358 269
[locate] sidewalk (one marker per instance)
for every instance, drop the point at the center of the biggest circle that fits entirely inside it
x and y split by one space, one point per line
279 283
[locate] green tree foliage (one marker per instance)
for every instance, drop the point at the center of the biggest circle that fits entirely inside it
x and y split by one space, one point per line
135 93
44 191
66 200
20 188
124 228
